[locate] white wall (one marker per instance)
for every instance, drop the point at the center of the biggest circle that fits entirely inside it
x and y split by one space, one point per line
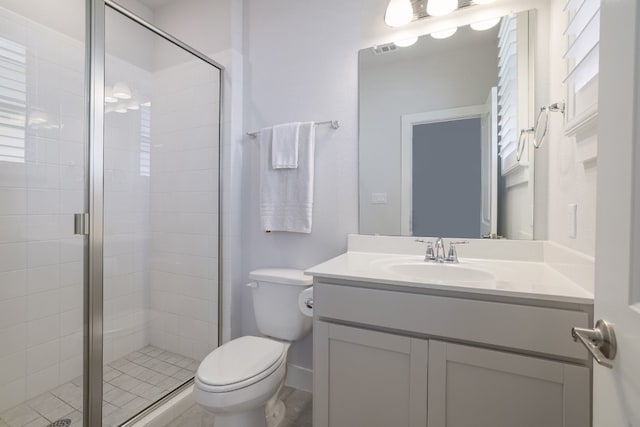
441 80
570 179
301 64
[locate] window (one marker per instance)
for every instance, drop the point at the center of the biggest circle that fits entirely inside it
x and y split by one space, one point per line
582 33
13 98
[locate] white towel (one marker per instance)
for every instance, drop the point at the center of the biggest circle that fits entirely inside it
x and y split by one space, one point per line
286 195
284 146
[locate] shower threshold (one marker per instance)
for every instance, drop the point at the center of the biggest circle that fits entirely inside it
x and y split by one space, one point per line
130 384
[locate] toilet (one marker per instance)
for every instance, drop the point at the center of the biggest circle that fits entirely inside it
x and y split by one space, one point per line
239 382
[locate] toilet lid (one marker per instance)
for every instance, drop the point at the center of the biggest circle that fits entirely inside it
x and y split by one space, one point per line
240 359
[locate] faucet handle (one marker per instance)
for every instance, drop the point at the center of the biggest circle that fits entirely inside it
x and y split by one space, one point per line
430 255
452 257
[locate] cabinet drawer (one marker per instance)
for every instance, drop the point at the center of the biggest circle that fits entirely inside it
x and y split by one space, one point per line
531 329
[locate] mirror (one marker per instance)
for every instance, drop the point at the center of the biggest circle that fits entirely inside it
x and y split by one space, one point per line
440 125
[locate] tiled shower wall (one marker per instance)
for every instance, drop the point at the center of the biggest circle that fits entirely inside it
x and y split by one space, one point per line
160 269
184 206
41 185
126 215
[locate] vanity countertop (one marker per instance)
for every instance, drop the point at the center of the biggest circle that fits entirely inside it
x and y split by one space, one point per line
515 280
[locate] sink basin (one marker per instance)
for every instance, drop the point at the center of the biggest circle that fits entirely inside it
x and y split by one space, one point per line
453 274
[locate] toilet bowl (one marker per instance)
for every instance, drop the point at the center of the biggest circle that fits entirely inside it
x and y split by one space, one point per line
240 381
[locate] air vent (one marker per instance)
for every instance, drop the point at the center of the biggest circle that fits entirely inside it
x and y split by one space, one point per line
384 48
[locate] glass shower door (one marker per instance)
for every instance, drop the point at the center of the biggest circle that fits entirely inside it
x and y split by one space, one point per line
161 150
42 184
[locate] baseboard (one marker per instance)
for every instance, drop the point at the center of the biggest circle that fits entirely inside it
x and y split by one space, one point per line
299 378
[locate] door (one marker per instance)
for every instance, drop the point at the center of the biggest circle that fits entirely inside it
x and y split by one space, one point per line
366 378
521 391
489 166
616 391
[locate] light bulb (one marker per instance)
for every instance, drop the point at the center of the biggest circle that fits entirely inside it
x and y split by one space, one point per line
441 7
443 34
121 91
108 95
399 13
406 42
486 24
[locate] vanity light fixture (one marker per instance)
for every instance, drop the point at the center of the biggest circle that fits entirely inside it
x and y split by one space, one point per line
108 95
406 42
443 34
399 13
441 7
486 24
121 91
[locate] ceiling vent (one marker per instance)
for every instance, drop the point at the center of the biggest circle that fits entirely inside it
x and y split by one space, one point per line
384 48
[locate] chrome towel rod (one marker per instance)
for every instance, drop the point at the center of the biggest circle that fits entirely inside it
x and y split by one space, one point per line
333 123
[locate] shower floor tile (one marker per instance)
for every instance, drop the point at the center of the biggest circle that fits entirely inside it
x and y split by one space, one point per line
130 384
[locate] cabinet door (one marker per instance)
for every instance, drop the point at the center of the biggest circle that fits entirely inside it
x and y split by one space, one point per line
473 387
364 378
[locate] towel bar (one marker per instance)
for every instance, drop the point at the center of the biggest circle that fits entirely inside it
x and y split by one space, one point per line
333 123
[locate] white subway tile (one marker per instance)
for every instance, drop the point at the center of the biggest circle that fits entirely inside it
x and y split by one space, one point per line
13 228
43 278
13 284
43 330
13 201
43 304
41 253
43 356
13 256
13 312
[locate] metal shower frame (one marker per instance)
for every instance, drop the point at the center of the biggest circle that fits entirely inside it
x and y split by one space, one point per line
94 203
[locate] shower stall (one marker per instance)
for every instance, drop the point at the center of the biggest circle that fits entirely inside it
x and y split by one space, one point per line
109 213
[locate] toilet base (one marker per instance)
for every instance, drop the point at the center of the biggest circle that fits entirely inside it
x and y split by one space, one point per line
253 418
274 412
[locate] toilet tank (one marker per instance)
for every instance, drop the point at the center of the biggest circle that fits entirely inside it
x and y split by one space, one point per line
275 302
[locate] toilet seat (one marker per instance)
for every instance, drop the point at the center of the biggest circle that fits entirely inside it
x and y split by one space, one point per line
240 363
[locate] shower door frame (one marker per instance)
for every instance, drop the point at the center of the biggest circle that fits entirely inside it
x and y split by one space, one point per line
94 203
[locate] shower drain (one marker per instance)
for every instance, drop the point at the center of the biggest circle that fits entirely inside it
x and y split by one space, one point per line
65 422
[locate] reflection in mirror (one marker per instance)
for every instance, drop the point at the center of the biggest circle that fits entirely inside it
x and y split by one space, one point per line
439 128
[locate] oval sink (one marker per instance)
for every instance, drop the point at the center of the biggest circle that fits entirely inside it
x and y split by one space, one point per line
443 273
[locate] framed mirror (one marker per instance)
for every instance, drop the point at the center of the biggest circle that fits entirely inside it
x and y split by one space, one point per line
439 126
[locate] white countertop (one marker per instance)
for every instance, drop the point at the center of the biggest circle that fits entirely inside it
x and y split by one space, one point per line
514 279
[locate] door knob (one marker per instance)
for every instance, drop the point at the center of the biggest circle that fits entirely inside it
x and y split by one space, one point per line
600 341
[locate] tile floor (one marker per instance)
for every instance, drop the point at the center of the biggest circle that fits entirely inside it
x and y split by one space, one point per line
130 384
298 413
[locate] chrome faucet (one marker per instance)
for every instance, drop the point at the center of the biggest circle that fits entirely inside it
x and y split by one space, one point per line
439 250
436 251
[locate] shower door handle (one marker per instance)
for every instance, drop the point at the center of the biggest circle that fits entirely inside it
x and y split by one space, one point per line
81 224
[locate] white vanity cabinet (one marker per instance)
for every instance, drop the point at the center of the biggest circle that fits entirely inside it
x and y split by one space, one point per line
393 358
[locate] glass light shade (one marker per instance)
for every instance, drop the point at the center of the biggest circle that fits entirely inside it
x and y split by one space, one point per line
485 25
120 108
441 7
443 34
133 105
399 13
121 91
108 95
406 42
